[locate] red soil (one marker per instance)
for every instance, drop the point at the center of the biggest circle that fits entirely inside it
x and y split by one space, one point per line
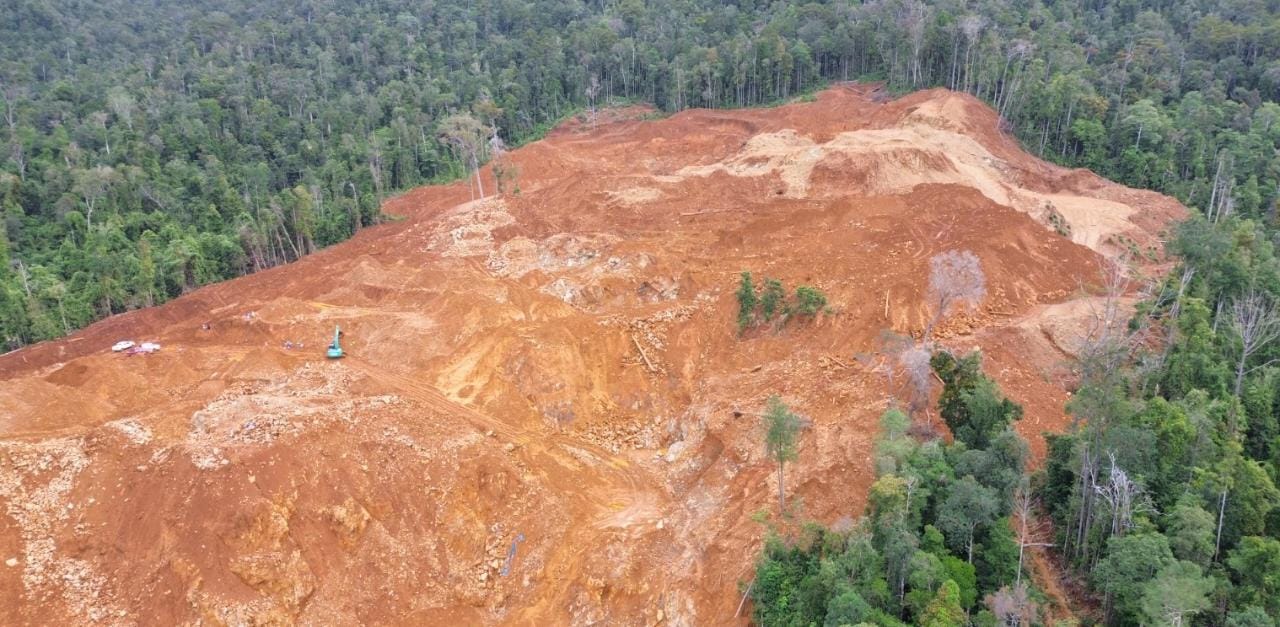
559 365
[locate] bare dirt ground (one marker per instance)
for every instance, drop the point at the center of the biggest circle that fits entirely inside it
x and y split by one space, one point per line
546 414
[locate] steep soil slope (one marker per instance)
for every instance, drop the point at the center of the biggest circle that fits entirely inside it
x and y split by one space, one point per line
546 415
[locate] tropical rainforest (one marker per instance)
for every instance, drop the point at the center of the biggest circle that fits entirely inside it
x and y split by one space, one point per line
153 147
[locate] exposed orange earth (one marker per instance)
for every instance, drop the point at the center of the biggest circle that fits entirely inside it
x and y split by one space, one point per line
546 415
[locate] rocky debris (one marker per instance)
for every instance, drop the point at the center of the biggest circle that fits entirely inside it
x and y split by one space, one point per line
617 435
36 487
135 431
348 520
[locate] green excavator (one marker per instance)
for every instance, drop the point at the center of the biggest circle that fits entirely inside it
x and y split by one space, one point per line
335 349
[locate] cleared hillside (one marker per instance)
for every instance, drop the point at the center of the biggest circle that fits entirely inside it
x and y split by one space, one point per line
546 414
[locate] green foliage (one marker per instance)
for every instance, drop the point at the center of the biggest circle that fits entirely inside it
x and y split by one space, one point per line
1191 531
782 430
1131 562
944 610
969 508
809 301
898 561
970 404
772 303
747 302
1192 362
996 556
1255 566
1178 592
894 446
785 576
772 300
959 377
1250 616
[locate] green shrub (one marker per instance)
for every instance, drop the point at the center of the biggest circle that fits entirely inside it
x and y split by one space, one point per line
746 302
809 300
771 302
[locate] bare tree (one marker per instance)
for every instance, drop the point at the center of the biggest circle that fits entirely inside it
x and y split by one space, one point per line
1013 607
955 278
1175 309
468 137
1030 531
1107 342
101 117
915 364
913 19
1122 496
1256 320
12 95
972 27
1221 201
92 185
18 153
122 104
902 354
504 170
592 90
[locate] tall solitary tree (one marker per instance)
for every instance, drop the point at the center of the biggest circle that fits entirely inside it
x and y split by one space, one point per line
1257 321
469 138
782 430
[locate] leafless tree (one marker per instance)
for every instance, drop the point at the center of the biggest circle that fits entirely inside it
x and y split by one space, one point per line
18 153
1221 200
1107 342
592 90
914 362
972 27
1256 320
468 136
504 170
101 117
12 95
1013 607
122 104
375 164
913 19
955 278
1175 309
901 354
1122 496
92 185
1030 530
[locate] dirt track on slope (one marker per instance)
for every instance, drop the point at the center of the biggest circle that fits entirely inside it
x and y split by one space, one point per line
546 416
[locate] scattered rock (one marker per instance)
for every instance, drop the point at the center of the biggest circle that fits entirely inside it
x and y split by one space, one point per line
11 562
511 446
674 451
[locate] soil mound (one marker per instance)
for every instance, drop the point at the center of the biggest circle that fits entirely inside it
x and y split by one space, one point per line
546 414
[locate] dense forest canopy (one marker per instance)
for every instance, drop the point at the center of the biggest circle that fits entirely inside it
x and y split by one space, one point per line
150 148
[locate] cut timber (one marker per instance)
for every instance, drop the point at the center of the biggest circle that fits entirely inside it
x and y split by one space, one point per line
643 355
